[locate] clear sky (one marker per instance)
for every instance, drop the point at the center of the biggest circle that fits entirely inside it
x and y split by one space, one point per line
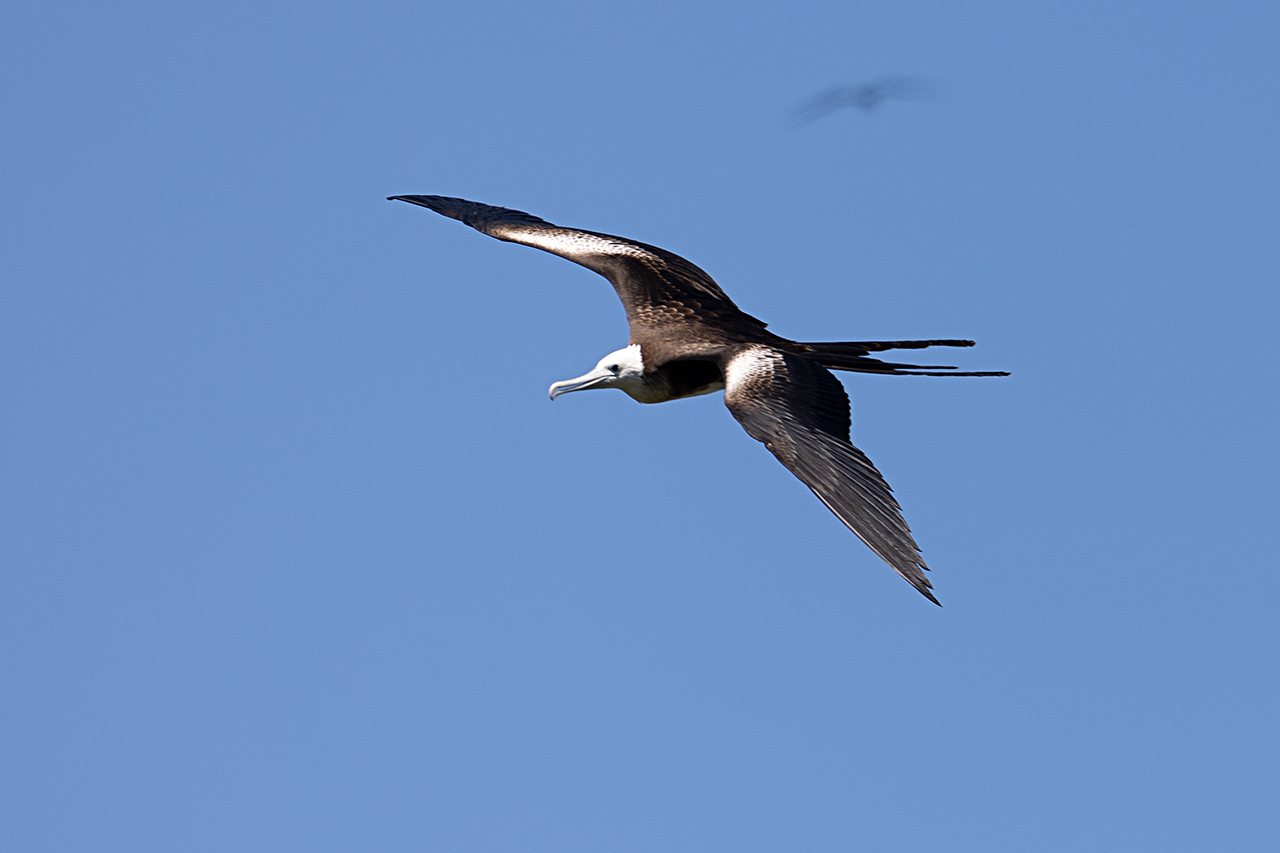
297 554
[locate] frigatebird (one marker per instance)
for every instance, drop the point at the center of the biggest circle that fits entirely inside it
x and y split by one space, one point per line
688 338
864 96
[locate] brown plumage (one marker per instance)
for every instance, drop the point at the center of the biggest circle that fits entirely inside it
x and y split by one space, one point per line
688 338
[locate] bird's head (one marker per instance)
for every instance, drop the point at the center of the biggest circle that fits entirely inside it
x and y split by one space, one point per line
622 369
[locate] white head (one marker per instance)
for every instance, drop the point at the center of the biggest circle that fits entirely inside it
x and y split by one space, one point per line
622 369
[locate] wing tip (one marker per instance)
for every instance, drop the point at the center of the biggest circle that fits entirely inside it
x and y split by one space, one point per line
423 200
473 213
420 200
485 218
921 583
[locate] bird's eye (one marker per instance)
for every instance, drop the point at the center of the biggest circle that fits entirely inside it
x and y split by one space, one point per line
614 368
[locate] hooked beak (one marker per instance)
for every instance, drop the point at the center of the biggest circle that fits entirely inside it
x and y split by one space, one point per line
589 380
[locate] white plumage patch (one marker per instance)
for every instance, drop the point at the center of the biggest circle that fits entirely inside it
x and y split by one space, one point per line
628 360
751 366
569 243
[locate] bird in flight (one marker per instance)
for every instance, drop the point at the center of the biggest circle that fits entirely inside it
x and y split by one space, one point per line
688 339
865 96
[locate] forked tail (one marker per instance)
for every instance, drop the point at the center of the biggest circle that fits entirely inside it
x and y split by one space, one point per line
852 356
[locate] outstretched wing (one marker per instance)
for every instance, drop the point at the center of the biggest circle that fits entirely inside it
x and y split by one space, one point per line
801 413
656 287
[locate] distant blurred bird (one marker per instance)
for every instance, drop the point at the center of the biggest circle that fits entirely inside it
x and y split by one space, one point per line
867 97
689 339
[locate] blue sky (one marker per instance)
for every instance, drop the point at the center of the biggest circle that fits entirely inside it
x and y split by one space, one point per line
299 556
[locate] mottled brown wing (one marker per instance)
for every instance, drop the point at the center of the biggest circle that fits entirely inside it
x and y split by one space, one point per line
656 287
801 413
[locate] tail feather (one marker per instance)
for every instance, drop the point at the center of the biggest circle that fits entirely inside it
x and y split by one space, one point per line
881 346
852 356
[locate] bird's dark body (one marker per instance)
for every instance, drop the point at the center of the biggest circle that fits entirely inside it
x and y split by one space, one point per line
674 380
693 340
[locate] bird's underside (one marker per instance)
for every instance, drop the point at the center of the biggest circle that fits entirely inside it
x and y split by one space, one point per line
687 338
